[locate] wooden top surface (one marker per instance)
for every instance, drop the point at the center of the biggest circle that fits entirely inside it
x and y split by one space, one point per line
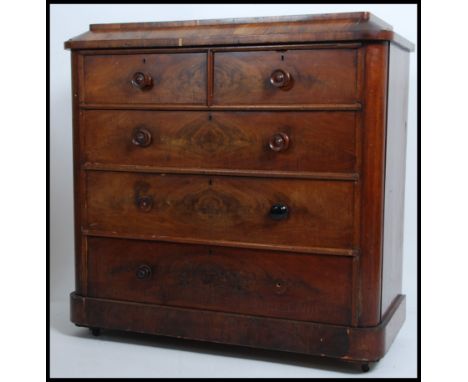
241 31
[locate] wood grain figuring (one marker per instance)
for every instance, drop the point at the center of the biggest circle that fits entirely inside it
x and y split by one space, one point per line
259 30
319 142
223 208
317 76
395 176
178 78
274 284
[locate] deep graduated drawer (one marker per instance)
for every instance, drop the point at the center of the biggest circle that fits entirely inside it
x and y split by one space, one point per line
242 181
145 78
286 141
286 77
283 212
223 279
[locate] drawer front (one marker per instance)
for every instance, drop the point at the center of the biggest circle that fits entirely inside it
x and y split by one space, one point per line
178 78
286 141
287 212
274 284
321 76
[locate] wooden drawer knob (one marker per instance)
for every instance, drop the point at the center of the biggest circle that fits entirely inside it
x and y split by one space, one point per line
141 137
142 81
279 142
279 211
143 272
281 79
144 203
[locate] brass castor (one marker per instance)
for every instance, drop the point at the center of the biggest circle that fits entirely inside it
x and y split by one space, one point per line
95 331
365 367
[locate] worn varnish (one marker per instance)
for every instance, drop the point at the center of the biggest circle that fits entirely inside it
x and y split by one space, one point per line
320 213
242 181
219 278
355 26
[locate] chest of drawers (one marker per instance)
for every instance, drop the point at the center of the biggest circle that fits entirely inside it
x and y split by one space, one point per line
242 181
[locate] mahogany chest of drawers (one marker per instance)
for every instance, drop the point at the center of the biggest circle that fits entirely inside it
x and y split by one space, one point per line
242 181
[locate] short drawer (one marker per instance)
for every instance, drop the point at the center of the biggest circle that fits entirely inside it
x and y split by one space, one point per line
317 76
273 284
178 78
288 212
280 141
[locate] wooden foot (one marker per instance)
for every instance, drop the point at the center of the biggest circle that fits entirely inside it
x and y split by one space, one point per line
95 331
365 367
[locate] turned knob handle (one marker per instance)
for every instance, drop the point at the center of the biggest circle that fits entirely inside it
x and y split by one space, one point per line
142 81
143 272
141 137
279 142
279 211
144 203
281 79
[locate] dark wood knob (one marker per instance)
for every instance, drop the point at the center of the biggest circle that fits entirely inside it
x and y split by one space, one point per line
142 81
143 272
279 142
281 79
144 203
141 137
279 211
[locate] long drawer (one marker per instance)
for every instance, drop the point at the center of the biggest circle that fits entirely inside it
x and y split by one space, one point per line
280 141
265 211
283 285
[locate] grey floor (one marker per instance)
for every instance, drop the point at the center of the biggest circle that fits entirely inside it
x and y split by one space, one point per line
74 352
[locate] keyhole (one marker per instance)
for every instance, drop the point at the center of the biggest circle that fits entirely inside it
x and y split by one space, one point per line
144 61
282 57
278 285
210 182
210 117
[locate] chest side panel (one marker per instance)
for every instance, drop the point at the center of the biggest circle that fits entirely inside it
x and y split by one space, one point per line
395 175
